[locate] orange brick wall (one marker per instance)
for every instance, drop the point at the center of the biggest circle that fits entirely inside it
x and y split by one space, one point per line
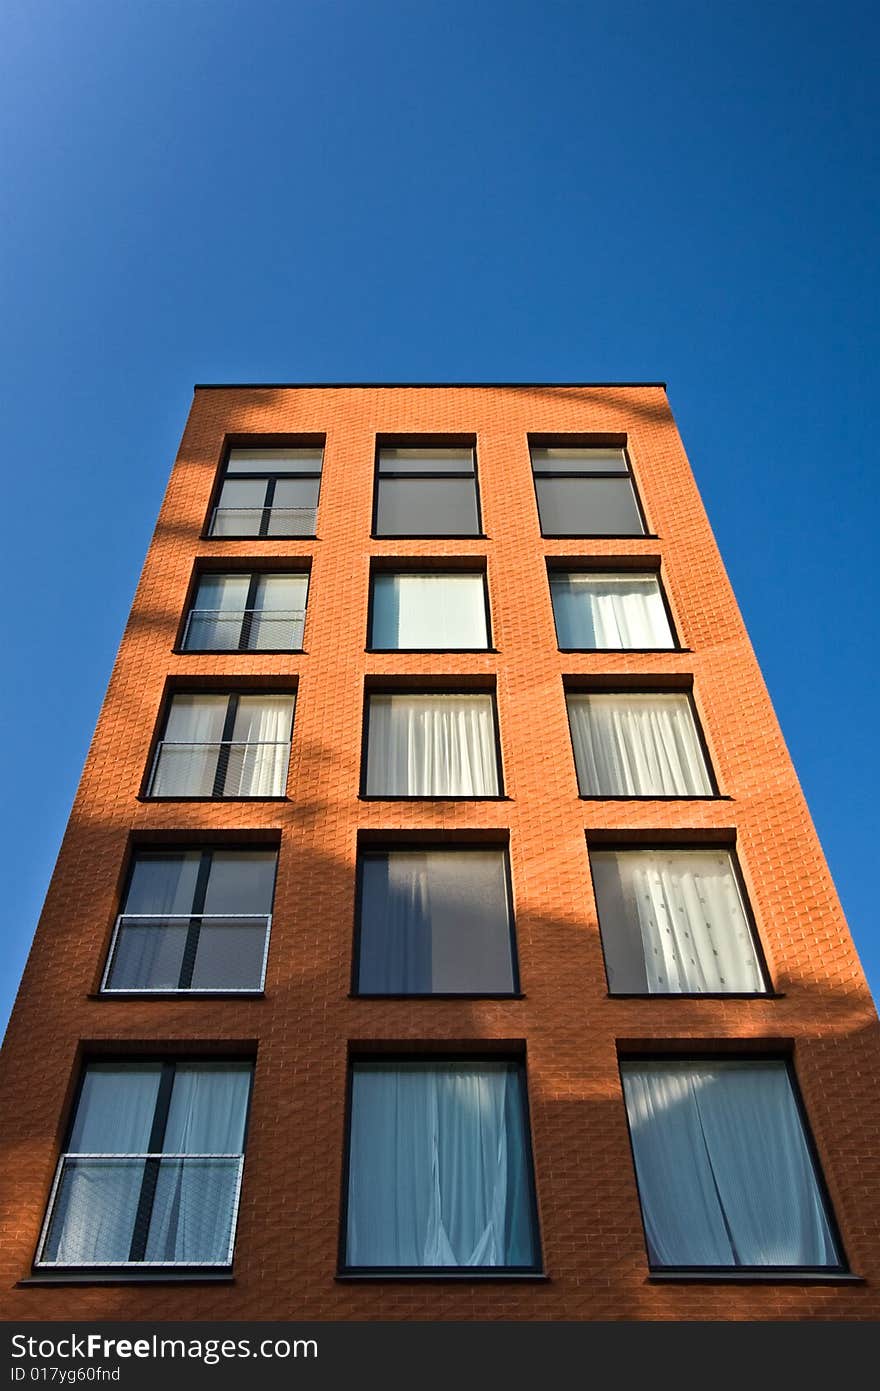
286 1249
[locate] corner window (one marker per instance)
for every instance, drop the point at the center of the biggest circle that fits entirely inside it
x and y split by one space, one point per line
224 746
423 612
268 493
725 1172
637 745
674 922
193 920
613 612
431 746
426 492
439 1168
247 613
585 491
435 922
152 1168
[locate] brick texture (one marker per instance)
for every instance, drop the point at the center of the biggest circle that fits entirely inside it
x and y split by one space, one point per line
301 1031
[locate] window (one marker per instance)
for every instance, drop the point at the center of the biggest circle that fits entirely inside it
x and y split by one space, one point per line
431 746
247 613
224 746
193 920
152 1168
439 1168
426 492
674 922
435 922
585 492
602 612
418 612
268 492
725 1171
637 746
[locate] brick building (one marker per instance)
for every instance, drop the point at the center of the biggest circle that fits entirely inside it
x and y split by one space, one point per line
440 930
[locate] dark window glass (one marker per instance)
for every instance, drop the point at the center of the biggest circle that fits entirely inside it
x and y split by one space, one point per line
585 492
725 1173
435 922
152 1170
439 1167
426 492
194 920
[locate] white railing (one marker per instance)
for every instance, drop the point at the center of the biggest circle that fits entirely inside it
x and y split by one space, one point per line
238 767
166 958
248 521
221 630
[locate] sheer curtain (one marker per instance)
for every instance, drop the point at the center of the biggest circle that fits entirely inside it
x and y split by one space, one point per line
193 1208
217 614
395 937
637 745
265 723
97 1199
429 611
438 1167
149 955
685 911
431 746
190 748
725 1175
618 611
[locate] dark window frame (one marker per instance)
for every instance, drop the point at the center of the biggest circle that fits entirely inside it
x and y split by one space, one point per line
254 576
621 847
136 1272
377 850
421 690
408 1054
764 1273
438 570
271 478
585 442
206 852
573 685
232 691
426 442
579 568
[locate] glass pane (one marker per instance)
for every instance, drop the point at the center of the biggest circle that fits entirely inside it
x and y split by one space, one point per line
588 507
637 746
194 1212
435 922
431 746
294 507
427 507
241 881
426 460
429 611
279 621
577 460
239 511
94 1212
609 611
187 757
673 921
439 1167
114 1114
148 955
163 883
258 757
274 461
724 1171
230 954
217 613
209 1103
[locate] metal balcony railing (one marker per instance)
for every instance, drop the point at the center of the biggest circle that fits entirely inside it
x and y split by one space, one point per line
188 953
226 768
142 1210
263 521
244 630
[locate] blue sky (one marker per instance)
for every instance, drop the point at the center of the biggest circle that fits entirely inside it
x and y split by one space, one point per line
458 190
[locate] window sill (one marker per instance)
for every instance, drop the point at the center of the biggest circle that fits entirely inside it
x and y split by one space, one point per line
436 995
165 995
696 995
217 801
429 536
425 797
655 797
238 651
430 651
599 536
249 536
754 1277
441 1275
623 651
126 1277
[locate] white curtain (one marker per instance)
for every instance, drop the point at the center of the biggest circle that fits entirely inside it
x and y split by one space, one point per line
637 745
725 1175
280 605
685 909
429 611
438 1167
260 753
97 1199
190 746
148 956
431 746
193 1207
217 614
619 611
